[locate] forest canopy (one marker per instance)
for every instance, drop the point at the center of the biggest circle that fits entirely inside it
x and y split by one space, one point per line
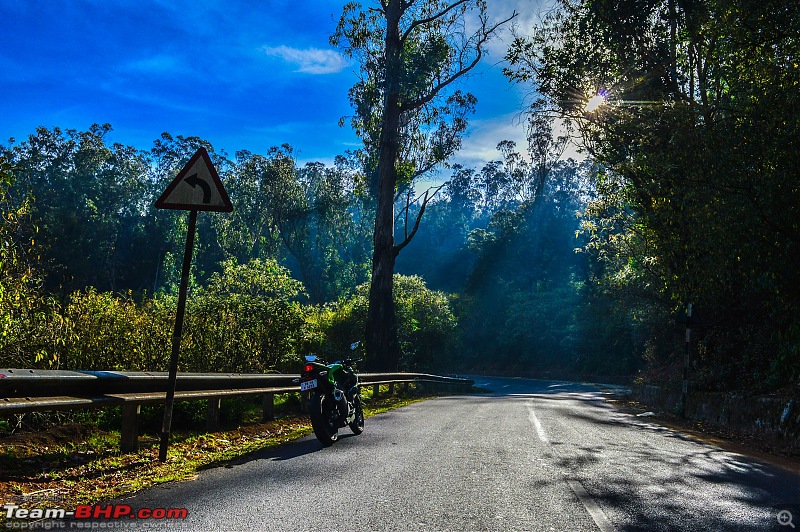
284 273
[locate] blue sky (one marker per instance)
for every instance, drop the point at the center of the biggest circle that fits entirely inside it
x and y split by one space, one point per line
241 74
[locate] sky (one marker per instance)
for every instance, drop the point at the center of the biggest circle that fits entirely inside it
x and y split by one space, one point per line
242 74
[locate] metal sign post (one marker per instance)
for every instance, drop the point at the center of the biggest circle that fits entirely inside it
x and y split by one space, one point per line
177 335
196 188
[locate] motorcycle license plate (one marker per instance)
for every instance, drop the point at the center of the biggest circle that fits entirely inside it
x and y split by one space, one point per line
308 385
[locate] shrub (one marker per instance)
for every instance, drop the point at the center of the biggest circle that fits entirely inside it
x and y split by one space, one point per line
247 319
425 323
31 327
113 332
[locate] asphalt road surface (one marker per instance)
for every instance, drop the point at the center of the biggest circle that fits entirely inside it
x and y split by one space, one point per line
534 455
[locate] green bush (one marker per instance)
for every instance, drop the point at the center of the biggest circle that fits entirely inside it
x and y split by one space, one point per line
426 324
247 319
113 332
31 327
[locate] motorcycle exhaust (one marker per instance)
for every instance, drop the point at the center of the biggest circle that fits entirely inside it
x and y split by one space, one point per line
341 402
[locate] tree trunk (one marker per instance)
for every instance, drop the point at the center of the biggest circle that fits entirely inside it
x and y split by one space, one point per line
383 348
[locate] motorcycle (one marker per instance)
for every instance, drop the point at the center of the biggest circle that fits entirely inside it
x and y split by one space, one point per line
335 398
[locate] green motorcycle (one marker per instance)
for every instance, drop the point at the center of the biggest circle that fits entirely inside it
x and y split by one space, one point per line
335 398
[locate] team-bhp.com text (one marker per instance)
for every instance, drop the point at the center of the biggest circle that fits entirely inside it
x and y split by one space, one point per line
86 516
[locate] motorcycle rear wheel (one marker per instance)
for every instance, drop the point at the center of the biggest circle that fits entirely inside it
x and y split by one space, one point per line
324 419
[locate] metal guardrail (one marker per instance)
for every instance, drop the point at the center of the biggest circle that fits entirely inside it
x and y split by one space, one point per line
28 390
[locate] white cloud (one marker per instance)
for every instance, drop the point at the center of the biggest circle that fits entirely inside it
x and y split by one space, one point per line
480 146
310 60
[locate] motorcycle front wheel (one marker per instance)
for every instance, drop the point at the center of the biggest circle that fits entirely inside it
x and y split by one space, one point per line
324 419
357 426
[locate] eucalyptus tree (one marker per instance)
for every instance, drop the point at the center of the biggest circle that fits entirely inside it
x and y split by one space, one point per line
167 228
89 204
411 54
324 233
264 191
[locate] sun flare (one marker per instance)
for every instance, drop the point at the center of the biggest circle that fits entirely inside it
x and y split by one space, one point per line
594 102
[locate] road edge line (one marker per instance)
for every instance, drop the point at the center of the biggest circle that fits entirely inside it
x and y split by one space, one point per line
596 513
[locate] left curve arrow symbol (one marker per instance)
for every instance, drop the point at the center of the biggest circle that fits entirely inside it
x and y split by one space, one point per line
196 181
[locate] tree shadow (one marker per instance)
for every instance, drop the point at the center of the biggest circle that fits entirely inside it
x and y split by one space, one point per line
674 483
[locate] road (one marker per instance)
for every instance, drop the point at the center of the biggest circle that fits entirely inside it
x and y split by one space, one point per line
534 455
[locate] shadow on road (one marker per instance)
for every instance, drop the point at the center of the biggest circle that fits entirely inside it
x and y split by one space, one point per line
296 449
646 476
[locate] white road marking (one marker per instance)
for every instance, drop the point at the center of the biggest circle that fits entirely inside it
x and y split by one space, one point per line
537 425
594 510
591 506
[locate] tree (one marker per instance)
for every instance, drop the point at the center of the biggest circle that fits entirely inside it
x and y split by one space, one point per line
326 233
90 204
699 138
30 322
264 190
166 158
426 321
411 52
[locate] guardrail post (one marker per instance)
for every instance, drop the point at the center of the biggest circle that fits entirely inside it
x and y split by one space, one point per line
268 407
212 414
391 388
405 387
305 399
129 437
376 388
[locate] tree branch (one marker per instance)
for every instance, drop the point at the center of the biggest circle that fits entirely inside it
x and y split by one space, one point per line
428 197
425 168
438 15
484 36
408 211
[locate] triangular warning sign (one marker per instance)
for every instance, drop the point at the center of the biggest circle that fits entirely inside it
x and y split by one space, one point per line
197 188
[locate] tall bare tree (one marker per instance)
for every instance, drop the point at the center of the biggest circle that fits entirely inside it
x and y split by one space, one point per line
411 53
